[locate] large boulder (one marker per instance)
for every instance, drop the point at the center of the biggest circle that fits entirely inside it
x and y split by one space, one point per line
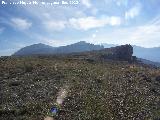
123 52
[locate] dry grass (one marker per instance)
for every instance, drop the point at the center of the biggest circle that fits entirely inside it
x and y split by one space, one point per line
97 90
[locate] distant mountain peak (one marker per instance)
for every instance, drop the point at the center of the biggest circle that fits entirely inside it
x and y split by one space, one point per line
81 43
39 44
41 48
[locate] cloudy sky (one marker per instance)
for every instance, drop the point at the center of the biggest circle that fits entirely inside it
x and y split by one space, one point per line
96 21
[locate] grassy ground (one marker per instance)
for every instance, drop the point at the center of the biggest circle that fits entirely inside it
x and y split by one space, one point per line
97 90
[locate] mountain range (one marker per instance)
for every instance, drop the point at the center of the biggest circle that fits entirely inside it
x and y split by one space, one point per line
151 54
40 48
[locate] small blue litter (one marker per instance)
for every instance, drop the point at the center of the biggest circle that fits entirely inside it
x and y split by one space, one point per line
54 110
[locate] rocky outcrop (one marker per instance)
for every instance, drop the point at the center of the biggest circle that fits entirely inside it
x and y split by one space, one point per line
123 52
119 53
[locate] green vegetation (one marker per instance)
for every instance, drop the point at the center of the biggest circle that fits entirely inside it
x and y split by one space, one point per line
98 90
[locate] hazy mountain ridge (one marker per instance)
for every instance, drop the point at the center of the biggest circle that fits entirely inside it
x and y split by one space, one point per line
106 45
118 53
85 50
150 54
45 49
81 46
35 49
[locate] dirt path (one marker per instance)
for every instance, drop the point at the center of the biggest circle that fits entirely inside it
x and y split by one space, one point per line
49 118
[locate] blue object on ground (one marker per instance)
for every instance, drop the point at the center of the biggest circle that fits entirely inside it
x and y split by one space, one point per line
54 110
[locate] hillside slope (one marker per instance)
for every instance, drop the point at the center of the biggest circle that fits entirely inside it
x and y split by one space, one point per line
97 90
42 49
35 49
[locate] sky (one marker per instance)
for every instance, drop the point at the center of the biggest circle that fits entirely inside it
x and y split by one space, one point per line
135 22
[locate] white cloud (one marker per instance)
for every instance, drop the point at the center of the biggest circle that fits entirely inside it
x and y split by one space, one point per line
21 24
55 43
145 35
94 11
133 12
55 25
94 35
93 22
87 3
46 15
84 23
114 21
121 2
79 13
